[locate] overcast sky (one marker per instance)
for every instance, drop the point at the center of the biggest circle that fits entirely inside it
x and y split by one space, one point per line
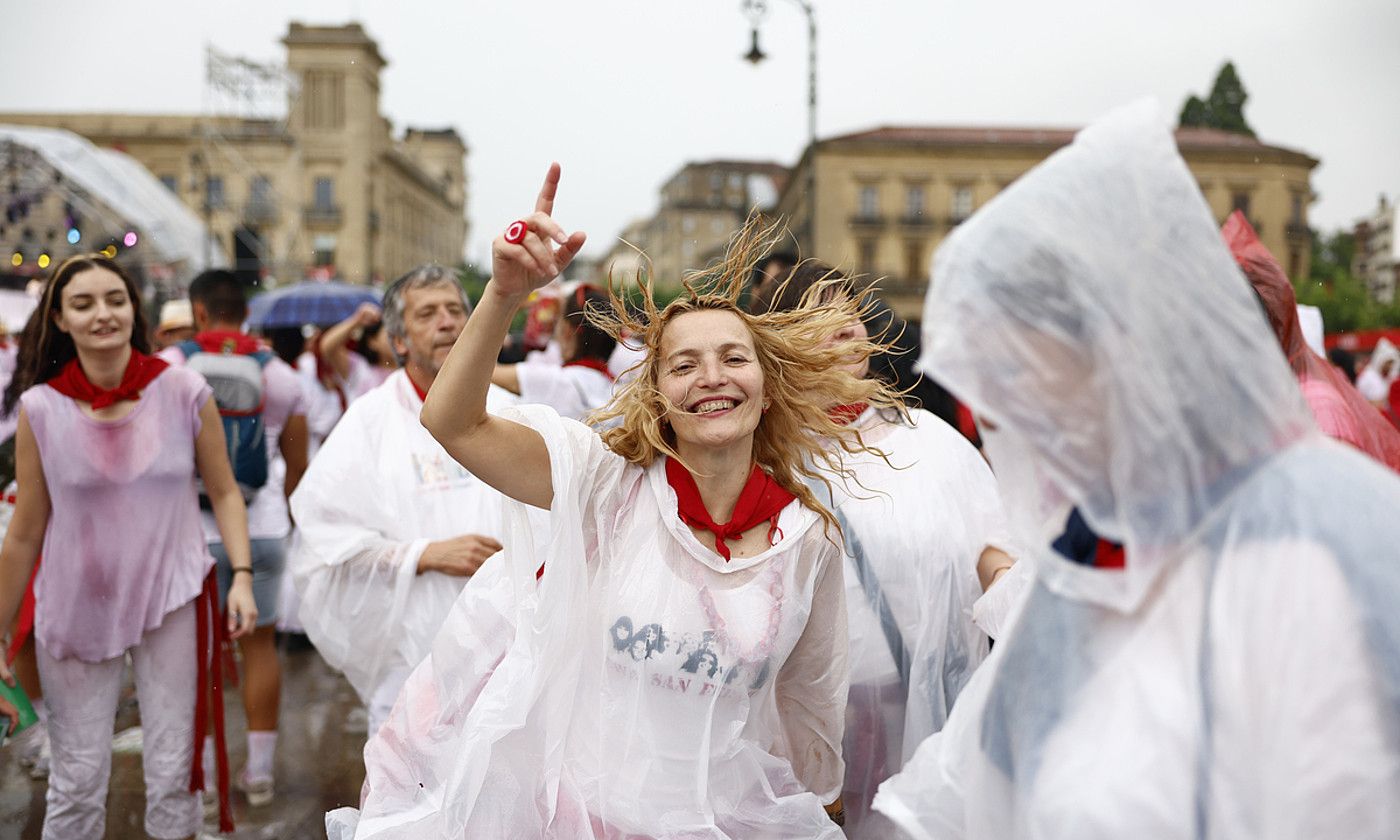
623 92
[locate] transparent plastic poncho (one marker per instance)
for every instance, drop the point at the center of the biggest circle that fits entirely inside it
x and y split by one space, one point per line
1339 409
1240 678
642 688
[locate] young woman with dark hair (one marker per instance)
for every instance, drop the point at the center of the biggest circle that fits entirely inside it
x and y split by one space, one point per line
109 445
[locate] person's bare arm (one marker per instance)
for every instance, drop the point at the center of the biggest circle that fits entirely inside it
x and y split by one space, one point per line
211 460
292 444
992 565
506 455
25 537
508 377
335 340
459 556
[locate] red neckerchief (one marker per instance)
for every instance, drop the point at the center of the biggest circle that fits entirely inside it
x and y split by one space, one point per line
761 500
140 370
596 364
421 392
845 415
211 640
1108 555
227 342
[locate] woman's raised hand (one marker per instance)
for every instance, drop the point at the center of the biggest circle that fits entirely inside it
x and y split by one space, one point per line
519 268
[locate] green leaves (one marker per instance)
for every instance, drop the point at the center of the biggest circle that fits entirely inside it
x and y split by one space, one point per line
1223 109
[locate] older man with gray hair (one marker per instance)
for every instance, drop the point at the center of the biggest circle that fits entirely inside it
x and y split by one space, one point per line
391 526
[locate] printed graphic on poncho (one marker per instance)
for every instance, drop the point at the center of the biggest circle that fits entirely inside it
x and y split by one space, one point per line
436 471
692 663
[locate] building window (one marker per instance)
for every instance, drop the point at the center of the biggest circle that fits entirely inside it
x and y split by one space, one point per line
914 203
717 226
1295 262
688 225
260 191
962 204
914 260
866 247
170 182
324 194
736 181
214 191
869 204
1296 214
323 93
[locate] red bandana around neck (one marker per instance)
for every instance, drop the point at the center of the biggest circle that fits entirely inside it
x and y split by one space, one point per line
421 392
596 364
227 341
140 370
761 500
845 415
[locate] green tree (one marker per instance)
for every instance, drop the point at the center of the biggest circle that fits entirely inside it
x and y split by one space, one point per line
1195 113
1342 297
1223 108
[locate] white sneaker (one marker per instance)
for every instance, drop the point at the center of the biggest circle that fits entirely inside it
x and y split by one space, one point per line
259 791
40 768
30 742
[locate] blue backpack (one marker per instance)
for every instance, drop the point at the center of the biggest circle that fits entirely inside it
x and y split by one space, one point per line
239 390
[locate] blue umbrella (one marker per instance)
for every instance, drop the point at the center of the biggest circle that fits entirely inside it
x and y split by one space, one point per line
308 302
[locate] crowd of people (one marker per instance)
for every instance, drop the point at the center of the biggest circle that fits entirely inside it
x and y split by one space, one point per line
733 565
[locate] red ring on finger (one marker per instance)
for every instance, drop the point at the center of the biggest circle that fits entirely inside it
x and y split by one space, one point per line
515 234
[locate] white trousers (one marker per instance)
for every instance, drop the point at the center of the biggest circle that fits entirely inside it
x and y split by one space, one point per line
82 699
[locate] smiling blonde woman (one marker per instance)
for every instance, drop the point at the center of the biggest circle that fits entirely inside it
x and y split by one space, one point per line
679 669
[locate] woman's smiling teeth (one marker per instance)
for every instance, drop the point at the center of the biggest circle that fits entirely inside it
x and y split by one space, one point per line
713 405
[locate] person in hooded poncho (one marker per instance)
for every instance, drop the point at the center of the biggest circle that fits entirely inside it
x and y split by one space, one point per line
391 526
1233 671
1339 409
910 589
677 668
1380 371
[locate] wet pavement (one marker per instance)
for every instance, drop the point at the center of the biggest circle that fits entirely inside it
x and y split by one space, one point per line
318 763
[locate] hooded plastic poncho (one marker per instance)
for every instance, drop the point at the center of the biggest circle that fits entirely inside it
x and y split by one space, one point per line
1240 677
380 489
914 528
1375 379
642 688
1338 408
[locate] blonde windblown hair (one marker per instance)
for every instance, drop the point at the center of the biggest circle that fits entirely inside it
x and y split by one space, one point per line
801 371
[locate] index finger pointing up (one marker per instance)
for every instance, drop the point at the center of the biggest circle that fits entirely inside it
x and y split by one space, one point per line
545 203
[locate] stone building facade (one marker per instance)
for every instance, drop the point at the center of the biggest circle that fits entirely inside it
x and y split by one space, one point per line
328 186
1377 259
885 198
702 206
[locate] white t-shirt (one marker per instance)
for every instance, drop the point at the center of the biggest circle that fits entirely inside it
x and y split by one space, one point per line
324 406
282 400
571 390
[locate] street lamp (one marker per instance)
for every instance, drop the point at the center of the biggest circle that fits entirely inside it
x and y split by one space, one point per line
756 11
